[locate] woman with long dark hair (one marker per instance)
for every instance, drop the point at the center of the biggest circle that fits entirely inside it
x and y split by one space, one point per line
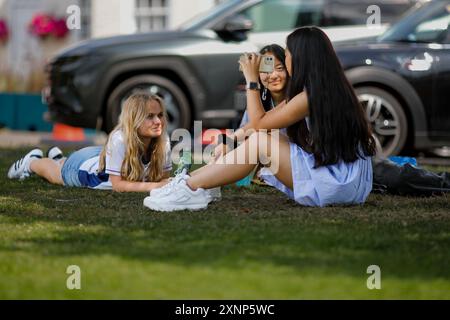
326 158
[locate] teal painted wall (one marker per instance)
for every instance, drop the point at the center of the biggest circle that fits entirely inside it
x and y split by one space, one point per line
23 112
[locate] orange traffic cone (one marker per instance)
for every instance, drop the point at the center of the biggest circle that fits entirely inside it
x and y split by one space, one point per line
62 132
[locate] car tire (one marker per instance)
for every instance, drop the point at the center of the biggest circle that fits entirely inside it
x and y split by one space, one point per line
176 102
387 117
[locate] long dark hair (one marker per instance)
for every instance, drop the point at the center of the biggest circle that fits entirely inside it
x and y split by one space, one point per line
338 129
278 52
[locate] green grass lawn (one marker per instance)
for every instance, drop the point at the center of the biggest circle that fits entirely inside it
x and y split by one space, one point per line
254 244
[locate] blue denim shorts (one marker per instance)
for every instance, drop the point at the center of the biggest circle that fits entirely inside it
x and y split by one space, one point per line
71 166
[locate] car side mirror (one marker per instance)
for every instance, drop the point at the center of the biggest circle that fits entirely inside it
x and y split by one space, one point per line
234 28
235 24
238 23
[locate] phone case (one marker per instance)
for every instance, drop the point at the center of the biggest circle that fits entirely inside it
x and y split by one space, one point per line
267 64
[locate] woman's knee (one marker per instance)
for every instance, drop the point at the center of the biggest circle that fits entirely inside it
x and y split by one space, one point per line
259 137
56 180
260 143
253 134
53 175
50 170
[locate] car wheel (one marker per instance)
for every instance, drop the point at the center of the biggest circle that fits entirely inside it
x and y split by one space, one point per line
177 105
386 115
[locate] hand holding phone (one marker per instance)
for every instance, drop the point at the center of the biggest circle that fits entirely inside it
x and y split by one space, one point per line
267 64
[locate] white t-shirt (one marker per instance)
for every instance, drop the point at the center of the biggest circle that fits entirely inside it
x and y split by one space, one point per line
115 154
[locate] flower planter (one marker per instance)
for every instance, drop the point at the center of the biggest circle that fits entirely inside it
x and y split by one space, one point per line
23 112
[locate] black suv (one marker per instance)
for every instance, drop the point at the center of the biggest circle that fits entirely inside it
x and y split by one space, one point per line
403 79
194 68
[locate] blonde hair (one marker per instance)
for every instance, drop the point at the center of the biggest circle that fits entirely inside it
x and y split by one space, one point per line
133 114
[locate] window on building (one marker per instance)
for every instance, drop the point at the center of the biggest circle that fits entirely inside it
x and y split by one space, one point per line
151 15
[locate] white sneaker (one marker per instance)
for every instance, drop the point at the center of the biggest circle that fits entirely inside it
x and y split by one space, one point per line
215 194
55 153
21 168
168 187
181 197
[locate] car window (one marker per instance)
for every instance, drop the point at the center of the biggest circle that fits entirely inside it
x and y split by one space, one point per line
354 12
282 15
202 18
434 29
447 38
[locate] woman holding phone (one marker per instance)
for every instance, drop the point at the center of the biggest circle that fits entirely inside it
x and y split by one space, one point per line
325 158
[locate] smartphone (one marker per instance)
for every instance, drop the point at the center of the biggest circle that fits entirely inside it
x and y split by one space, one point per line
267 64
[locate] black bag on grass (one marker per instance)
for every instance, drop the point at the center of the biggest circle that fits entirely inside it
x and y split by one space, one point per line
407 180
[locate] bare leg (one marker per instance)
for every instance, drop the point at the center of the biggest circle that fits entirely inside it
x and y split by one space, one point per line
48 169
199 170
226 170
211 162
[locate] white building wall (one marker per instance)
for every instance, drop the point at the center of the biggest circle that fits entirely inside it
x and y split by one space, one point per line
127 20
105 17
24 55
112 17
115 17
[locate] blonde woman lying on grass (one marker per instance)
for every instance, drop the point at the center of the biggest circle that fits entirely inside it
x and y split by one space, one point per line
136 156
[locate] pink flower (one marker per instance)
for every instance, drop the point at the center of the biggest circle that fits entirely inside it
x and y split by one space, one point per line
4 32
60 28
41 25
44 25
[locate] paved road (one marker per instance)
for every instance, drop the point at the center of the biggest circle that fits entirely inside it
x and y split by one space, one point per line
16 139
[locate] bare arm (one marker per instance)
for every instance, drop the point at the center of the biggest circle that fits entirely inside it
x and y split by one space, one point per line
121 185
240 133
166 175
282 115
